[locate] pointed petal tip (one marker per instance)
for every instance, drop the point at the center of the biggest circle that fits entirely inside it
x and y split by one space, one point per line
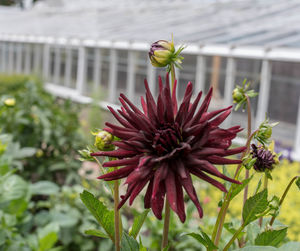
182 218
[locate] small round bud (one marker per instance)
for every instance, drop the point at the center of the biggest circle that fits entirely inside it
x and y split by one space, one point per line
10 102
265 133
103 141
237 95
39 153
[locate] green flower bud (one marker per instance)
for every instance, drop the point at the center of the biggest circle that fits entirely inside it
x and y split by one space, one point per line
39 153
103 141
237 95
265 132
10 102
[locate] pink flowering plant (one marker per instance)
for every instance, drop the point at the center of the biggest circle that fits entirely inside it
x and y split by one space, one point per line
166 147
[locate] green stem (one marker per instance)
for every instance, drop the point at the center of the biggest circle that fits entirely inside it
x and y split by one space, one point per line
167 206
222 213
265 187
172 76
103 172
248 135
99 164
283 196
234 237
221 216
117 214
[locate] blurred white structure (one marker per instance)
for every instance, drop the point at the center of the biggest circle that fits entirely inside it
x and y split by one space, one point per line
79 45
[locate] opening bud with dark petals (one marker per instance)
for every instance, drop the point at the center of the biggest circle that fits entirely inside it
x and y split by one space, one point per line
162 53
265 159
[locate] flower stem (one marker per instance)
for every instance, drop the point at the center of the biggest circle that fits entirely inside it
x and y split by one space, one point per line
222 213
248 135
117 214
172 76
234 237
166 225
265 187
283 196
167 206
99 164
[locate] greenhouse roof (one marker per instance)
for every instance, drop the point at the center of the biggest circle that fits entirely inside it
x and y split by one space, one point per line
232 22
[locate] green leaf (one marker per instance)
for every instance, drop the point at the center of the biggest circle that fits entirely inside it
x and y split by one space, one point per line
258 186
142 248
44 188
103 216
204 240
17 207
65 219
256 248
227 184
237 188
268 174
138 223
96 232
166 248
290 246
229 227
255 205
14 187
128 243
48 241
271 237
26 152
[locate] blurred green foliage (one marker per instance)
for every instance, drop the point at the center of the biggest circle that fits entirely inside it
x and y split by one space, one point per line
40 216
40 121
40 208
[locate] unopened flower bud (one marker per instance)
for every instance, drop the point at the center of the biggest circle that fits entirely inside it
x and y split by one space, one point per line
103 141
161 52
39 153
10 102
237 95
265 133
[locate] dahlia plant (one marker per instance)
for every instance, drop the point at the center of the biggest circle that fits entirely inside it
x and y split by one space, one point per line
161 146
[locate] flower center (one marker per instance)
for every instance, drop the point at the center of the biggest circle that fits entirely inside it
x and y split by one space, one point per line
165 139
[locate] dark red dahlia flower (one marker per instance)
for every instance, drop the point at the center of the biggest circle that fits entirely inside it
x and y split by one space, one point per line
162 146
